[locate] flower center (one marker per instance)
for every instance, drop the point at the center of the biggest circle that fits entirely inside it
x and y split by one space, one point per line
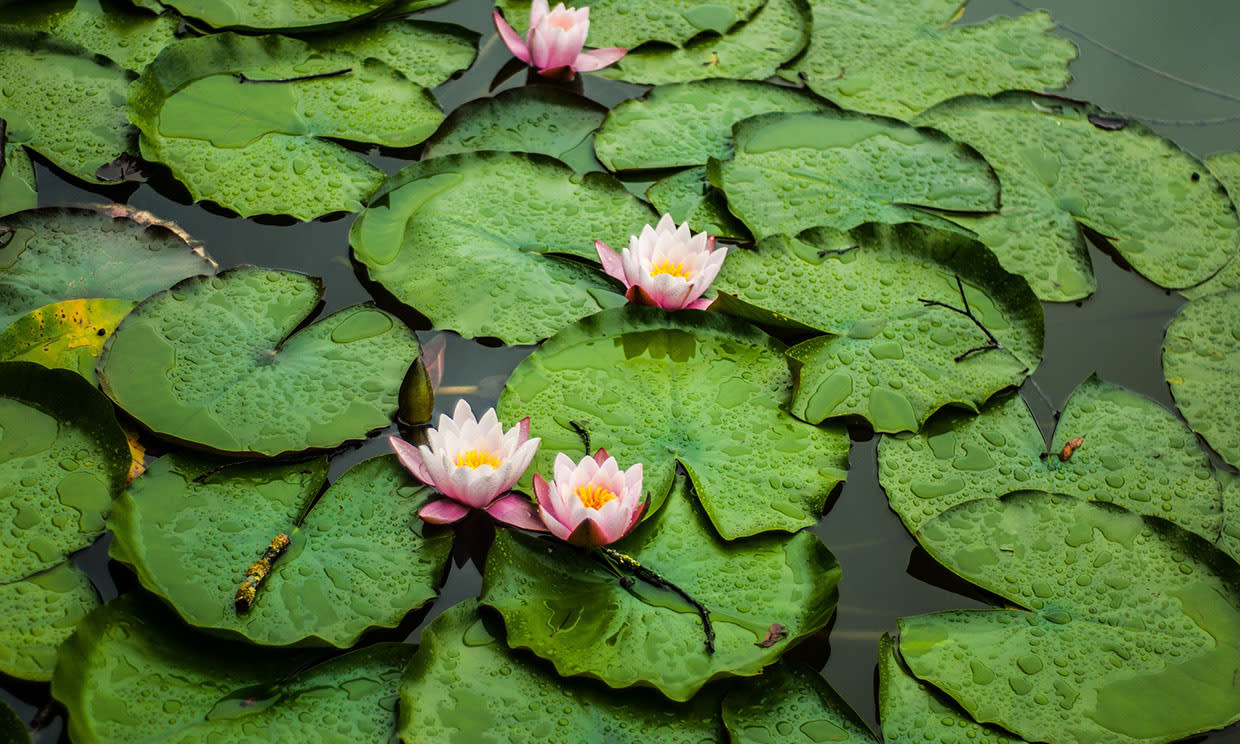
592 496
562 21
475 458
667 267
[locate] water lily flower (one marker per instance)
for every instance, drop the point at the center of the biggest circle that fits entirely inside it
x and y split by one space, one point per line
665 266
554 44
591 503
474 464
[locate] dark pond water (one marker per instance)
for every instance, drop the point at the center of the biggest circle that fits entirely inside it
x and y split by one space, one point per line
1173 64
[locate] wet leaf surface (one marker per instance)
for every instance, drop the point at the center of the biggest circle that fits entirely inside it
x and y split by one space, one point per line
792 704
64 335
112 28
18 189
1201 361
277 15
628 23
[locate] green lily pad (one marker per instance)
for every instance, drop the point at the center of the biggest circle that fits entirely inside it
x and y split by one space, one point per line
134 673
426 52
628 23
18 188
1123 614
689 198
470 241
69 105
1226 168
266 147
754 50
359 557
37 614
897 58
1201 361
1135 454
914 712
277 15
890 358
64 335
63 253
526 119
247 380
464 685
687 124
567 608
12 729
1229 540
1068 167
791 172
689 387
791 704
129 37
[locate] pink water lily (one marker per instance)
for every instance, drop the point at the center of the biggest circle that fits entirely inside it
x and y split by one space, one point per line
665 266
591 503
555 43
474 463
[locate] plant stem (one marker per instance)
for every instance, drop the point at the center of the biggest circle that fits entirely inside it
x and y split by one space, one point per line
618 562
241 77
579 427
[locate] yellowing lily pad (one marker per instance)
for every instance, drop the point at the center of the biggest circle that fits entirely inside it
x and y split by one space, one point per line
64 335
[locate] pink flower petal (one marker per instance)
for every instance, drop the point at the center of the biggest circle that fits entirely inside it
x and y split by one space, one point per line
538 11
512 39
588 535
443 511
613 265
700 304
600 456
597 59
523 431
518 512
411 458
637 516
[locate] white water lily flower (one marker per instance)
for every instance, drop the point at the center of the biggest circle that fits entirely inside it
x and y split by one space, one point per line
665 266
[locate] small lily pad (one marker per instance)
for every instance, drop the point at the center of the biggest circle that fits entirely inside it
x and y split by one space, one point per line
253 380
628 23
464 684
133 672
689 198
567 608
64 335
12 729
791 704
18 188
1201 361
696 389
277 15
131 38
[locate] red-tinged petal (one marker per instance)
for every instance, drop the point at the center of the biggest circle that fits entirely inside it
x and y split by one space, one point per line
512 39
613 265
564 72
597 59
637 515
523 431
443 511
411 458
542 491
588 535
639 296
600 456
518 512
700 304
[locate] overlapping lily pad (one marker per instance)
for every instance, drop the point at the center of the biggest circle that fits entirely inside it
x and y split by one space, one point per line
1226 168
18 188
277 15
64 335
569 609
428 53
791 172
134 673
1122 613
131 38
463 684
794 705
891 357
693 388
359 556
224 364
1070 167
1229 541
689 198
37 614
628 23
474 242
63 102
247 122
1201 360
900 57
1135 454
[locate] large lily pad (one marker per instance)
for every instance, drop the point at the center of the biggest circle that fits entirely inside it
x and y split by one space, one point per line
18 188
753 50
464 685
900 57
63 102
693 388
64 335
569 609
61 253
791 172
220 363
1226 168
265 147
890 357
687 124
1201 360
277 15
426 52
689 198
628 23
129 37
470 240
791 704
1229 540
37 614
133 674
1135 454
1068 167
1123 614
359 557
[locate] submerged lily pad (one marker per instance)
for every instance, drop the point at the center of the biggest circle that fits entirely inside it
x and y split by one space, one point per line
900 57
693 388
791 704
471 242
689 198
569 609
224 364
359 557
247 122
753 50
1069 167
628 23
890 357
277 15
1124 613
64 335
63 102
464 685
1135 454
131 38
1201 360
18 188
791 172
134 673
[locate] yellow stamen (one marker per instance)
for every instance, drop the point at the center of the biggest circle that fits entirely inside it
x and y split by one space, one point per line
593 496
474 459
667 267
